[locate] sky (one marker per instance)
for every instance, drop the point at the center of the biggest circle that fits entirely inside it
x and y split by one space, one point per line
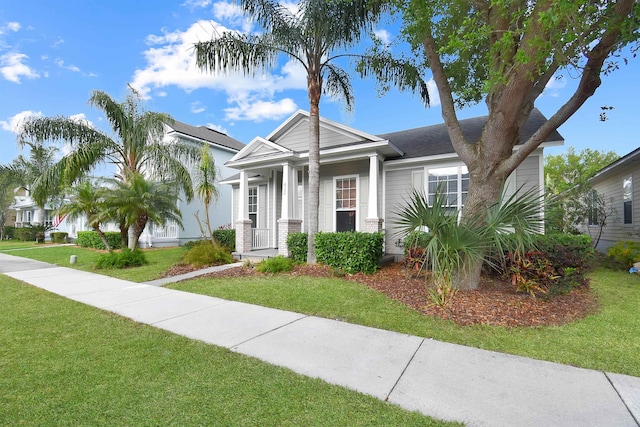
53 55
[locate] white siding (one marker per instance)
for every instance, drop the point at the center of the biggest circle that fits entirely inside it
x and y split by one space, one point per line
297 138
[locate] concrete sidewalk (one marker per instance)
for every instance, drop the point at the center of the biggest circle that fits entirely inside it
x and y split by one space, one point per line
446 381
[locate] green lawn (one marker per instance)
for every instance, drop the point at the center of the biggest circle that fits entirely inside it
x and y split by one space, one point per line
9 246
65 363
160 260
608 340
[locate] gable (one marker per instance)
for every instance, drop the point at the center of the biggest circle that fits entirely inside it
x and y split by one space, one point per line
297 137
260 147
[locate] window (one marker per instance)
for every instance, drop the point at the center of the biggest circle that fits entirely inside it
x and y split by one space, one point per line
28 217
346 203
453 181
627 200
253 206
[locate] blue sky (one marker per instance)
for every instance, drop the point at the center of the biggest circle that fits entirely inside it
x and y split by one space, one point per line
54 54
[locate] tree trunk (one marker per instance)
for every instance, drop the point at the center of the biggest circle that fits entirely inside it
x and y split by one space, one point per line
105 242
138 229
124 233
314 164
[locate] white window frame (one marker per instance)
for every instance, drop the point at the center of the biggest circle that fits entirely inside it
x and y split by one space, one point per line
459 172
335 200
627 197
257 196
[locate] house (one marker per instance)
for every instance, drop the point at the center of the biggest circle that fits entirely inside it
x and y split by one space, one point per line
619 184
222 147
363 177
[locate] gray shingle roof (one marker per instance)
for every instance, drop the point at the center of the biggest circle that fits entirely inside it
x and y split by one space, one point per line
434 140
207 134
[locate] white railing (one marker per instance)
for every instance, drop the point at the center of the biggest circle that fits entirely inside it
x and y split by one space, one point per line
168 231
259 238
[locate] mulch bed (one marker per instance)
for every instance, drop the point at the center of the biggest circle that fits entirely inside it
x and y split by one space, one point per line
495 302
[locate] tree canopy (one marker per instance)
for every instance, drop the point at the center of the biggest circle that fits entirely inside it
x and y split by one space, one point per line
565 171
506 53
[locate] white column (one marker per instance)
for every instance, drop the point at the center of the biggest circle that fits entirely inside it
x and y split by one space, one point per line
373 187
289 191
243 197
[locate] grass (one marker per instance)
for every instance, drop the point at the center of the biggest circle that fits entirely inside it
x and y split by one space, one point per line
12 245
608 340
65 363
160 260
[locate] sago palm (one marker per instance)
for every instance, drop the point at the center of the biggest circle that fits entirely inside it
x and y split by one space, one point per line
317 34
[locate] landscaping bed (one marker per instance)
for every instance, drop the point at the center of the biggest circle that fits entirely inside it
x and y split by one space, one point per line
495 302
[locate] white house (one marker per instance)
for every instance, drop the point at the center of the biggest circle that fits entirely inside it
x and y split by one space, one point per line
363 177
222 147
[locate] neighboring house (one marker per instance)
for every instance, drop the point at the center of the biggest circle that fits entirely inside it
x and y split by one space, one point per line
363 178
28 213
619 184
222 147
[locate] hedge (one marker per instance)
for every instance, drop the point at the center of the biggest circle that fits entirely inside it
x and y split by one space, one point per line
297 244
350 251
91 239
59 237
26 234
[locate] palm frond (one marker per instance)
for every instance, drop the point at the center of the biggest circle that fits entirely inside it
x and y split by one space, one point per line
338 85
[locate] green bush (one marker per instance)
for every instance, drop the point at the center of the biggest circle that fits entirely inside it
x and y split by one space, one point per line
226 237
352 252
297 244
90 239
206 254
9 232
625 253
59 237
124 259
25 234
278 264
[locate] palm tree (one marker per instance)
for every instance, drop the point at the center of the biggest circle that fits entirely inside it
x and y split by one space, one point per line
135 147
139 200
451 247
206 188
27 170
87 200
315 36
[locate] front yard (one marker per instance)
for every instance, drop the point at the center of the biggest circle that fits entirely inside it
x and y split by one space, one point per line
608 339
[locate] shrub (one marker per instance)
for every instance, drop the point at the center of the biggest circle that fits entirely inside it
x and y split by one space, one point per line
90 239
206 253
278 264
226 237
297 244
59 237
25 234
9 232
124 259
625 253
352 251
559 263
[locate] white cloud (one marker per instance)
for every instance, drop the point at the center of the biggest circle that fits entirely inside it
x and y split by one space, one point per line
383 35
434 96
58 42
81 118
196 3
171 62
233 14
60 63
14 26
12 68
219 128
257 110
555 86
197 107
14 123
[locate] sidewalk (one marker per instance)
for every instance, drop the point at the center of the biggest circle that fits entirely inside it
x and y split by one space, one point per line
446 381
